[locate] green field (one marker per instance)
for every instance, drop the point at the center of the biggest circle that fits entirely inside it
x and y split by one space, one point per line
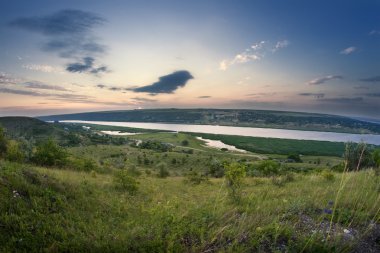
168 192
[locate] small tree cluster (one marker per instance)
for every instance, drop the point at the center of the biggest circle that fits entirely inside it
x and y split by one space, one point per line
49 153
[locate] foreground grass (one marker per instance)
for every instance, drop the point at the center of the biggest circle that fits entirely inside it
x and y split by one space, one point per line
62 210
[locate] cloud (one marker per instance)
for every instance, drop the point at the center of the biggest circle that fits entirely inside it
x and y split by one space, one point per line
316 95
101 86
42 68
342 100
373 79
374 32
69 33
167 84
348 50
324 79
361 87
43 86
280 45
144 99
7 79
86 66
204 97
372 94
255 52
261 94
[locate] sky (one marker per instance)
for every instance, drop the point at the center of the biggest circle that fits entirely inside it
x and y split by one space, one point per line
75 56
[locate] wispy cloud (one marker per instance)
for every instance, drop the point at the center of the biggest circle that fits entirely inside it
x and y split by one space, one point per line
69 33
324 79
43 86
374 32
372 79
348 50
375 94
316 95
280 45
86 66
342 100
166 84
361 87
42 68
204 97
144 99
255 52
7 79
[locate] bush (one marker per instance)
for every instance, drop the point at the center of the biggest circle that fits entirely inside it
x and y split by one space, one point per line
195 178
14 152
376 157
185 143
124 181
216 168
295 157
3 143
49 153
133 171
328 175
235 174
357 156
163 171
268 168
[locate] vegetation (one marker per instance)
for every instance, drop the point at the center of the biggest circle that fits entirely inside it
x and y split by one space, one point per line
231 117
107 197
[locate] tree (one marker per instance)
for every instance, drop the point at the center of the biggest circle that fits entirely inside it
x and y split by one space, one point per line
49 153
357 156
3 142
14 152
376 157
235 173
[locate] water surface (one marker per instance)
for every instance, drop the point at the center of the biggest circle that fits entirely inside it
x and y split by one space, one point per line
245 131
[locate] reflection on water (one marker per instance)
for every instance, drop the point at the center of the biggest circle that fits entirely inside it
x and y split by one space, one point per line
245 131
220 145
118 133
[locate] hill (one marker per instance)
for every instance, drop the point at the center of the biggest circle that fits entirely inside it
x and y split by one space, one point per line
231 117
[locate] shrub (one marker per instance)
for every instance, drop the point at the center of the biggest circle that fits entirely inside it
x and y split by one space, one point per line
328 175
295 157
216 168
162 170
133 171
235 173
195 178
49 153
185 143
14 152
357 156
376 157
268 168
3 142
124 181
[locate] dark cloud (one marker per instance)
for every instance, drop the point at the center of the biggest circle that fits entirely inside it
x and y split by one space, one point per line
372 94
167 84
86 66
324 79
316 95
261 94
20 92
115 88
144 99
101 86
373 79
204 97
360 87
343 100
69 34
43 86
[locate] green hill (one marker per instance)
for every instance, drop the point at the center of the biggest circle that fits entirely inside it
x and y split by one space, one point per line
231 117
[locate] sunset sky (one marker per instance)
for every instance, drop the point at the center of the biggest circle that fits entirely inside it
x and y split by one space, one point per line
75 56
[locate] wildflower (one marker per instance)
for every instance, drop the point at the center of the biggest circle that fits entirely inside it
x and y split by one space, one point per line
331 203
15 194
327 211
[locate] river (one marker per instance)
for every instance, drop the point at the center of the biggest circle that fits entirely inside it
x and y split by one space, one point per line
245 131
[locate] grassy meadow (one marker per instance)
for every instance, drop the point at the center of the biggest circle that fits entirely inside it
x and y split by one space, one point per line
171 193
